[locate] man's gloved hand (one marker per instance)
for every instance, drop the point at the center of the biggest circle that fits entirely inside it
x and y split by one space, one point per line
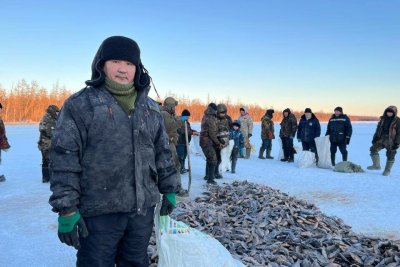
168 204
250 135
395 146
291 137
70 228
347 140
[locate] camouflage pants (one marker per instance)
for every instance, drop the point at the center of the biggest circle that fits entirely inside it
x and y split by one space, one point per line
45 157
177 164
211 154
383 143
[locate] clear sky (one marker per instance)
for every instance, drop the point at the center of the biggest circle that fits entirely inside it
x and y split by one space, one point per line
296 54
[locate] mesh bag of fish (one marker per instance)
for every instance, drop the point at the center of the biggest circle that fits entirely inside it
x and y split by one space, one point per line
179 245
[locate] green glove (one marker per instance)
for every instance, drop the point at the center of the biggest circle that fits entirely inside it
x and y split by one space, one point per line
70 228
168 204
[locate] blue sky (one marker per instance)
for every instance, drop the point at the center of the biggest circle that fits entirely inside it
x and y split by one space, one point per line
296 54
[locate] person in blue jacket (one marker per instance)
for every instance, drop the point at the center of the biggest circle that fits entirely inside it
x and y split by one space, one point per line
307 130
339 130
236 135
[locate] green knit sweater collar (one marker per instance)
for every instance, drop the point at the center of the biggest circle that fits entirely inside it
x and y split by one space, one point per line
125 94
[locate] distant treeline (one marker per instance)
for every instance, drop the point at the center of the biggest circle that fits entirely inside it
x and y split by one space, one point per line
27 102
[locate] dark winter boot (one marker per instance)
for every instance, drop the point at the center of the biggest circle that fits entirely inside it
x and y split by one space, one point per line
2 178
45 174
333 159
376 162
261 154
388 168
344 156
291 156
206 176
211 174
217 174
284 160
269 154
233 166
248 152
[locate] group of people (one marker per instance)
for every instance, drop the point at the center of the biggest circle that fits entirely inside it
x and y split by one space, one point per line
339 130
111 154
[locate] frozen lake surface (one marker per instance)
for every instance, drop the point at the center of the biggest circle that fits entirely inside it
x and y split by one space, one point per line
369 202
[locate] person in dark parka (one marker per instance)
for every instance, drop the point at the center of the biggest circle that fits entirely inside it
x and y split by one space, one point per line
4 145
307 130
387 136
339 130
181 148
209 141
224 126
110 160
267 134
46 127
287 133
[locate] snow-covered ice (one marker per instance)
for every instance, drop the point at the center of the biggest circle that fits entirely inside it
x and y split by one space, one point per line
28 234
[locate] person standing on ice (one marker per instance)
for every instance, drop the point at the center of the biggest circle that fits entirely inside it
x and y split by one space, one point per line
267 134
339 130
46 127
4 145
224 126
307 130
246 122
110 160
237 136
209 141
287 133
387 136
181 148
172 124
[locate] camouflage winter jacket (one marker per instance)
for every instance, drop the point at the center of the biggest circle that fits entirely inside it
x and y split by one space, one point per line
224 126
46 127
172 124
394 128
288 126
105 161
267 128
209 129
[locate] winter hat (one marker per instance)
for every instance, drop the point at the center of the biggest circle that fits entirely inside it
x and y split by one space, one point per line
270 112
185 112
213 106
237 123
170 102
339 109
287 110
222 108
119 48
307 110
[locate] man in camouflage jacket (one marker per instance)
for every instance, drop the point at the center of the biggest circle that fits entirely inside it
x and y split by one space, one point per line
246 122
172 124
224 126
387 136
209 141
267 134
46 127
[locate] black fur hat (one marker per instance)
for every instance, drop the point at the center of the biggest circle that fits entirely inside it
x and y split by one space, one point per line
119 48
185 112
